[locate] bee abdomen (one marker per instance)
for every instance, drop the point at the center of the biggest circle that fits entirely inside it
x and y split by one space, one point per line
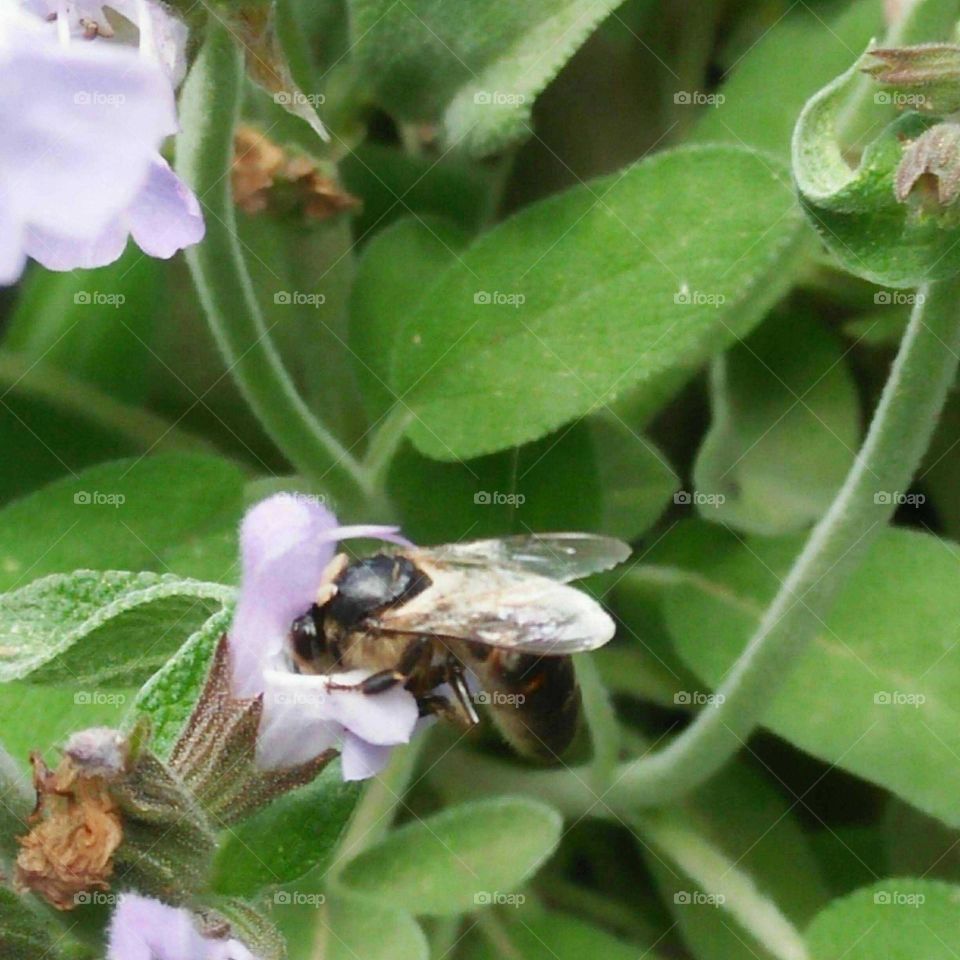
535 701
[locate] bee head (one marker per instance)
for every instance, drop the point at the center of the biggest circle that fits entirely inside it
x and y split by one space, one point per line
307 637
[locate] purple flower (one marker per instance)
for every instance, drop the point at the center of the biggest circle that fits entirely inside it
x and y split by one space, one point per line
83 123
142 928
287 541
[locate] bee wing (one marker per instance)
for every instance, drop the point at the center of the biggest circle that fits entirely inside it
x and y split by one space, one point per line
502 608
559 556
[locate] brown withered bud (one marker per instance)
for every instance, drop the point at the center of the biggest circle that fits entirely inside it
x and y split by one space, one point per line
925 77
929 171
265 175
77 825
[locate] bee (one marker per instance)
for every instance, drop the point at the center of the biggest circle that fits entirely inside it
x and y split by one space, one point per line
499 612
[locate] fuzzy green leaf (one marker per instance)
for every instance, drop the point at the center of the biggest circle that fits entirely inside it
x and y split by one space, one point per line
897 919
459 859
584 295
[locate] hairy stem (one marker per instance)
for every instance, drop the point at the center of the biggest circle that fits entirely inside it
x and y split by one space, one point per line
209 105
896 441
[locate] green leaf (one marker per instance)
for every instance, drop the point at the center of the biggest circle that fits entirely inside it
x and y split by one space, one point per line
94 627
581 296
477 66
785 429
854 209
168 697
358 928
558 936
459 859
897 919
294 834
791 61
24 932
876 692
120 515
394 278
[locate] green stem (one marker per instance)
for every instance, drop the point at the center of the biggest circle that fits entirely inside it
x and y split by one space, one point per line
898 436
385 441
717 876
209 107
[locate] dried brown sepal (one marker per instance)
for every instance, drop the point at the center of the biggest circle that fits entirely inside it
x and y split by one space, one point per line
930 168
215 753
925 77
76 831
262 171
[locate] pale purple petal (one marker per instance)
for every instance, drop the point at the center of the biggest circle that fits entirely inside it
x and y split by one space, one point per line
284 552
165 216
386 718
360 760
146 929
68 253
81 125
12 256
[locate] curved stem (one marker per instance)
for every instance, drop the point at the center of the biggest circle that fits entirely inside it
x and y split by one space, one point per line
896 441
209 105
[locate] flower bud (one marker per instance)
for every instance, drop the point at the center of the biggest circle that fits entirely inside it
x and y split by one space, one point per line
930 169
925 78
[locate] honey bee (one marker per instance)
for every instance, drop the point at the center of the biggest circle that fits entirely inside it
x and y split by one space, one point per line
499 610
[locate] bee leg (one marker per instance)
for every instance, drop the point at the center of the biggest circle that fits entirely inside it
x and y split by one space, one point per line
458 684
439 706
385 680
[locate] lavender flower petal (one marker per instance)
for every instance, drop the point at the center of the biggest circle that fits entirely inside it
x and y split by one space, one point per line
165 215
145 929
360 760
